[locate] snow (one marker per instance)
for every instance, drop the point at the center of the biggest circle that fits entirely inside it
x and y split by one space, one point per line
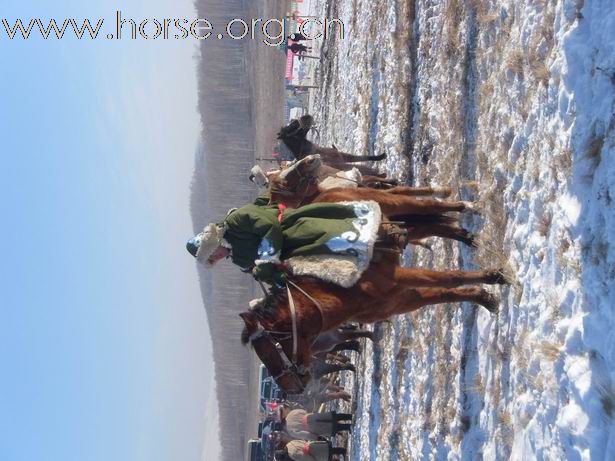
518 96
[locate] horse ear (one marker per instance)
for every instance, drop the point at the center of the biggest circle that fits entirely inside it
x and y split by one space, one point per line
245 316
245 334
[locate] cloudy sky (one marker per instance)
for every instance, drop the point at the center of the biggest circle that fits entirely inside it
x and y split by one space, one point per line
103 339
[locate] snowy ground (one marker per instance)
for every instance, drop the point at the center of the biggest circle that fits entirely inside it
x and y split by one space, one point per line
512 103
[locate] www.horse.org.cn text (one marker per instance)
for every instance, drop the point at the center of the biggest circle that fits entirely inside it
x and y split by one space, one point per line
272 32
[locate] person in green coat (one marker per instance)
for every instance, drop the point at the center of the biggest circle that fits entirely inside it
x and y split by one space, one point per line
332 241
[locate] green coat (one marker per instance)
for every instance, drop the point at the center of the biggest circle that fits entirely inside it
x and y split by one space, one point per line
259 239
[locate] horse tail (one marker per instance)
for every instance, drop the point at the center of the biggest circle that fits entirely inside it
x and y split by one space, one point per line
362 158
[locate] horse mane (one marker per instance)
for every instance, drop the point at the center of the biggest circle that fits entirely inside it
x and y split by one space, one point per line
289 129
278 185
274 309
266 312
245 335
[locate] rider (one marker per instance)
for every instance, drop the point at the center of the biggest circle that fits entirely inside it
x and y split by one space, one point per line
332 241
300 424
301 450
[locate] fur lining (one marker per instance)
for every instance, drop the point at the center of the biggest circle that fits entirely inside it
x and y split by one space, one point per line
350 178
339 269
343 270
211 238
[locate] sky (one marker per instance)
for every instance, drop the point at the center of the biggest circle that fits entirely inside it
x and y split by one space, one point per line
104 341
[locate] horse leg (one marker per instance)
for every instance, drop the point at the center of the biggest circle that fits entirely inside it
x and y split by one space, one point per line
449 231
442 192
327 368
353 345
370 171
393 204
363 169
339 357
349 335
412 277
378 182
329 396
403 301
419 297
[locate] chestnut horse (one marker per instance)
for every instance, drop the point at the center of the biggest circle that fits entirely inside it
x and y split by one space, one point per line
424 217
385 289
294 136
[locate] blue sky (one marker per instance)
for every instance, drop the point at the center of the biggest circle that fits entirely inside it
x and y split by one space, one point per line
104 341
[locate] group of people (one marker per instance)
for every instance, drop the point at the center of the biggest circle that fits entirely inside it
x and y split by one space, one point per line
304 435
293 44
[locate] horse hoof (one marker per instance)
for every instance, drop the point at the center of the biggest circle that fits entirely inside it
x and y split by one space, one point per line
382 156
490 302
351 367
497 277
471 241
472 207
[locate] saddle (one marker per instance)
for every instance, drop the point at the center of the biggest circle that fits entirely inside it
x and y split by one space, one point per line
392 238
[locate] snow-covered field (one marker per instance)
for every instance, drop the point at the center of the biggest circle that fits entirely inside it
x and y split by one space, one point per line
512 103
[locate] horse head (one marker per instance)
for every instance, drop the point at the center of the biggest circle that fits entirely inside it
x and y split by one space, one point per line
295 185
274 349
294 136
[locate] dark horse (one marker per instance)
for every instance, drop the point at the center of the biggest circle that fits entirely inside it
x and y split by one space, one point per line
294 136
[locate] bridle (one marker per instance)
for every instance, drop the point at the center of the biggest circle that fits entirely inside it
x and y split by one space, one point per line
301 189
293 132
290 367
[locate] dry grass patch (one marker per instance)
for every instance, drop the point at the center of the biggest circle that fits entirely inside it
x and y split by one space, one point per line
544 223
515 62
536 382
476 386
539 70
553 306
487 18
485 97
593 152
549 351
505 430
563 161
452 17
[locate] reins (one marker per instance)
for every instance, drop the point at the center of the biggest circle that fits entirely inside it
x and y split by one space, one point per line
290 365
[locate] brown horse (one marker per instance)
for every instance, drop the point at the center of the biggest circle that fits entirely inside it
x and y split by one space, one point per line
294 136
302 184
385 289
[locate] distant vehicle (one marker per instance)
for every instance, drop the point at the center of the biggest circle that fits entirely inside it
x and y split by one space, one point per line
268 389
255 451
268 442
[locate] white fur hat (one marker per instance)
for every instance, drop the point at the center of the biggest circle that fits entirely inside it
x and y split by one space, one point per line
204 244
